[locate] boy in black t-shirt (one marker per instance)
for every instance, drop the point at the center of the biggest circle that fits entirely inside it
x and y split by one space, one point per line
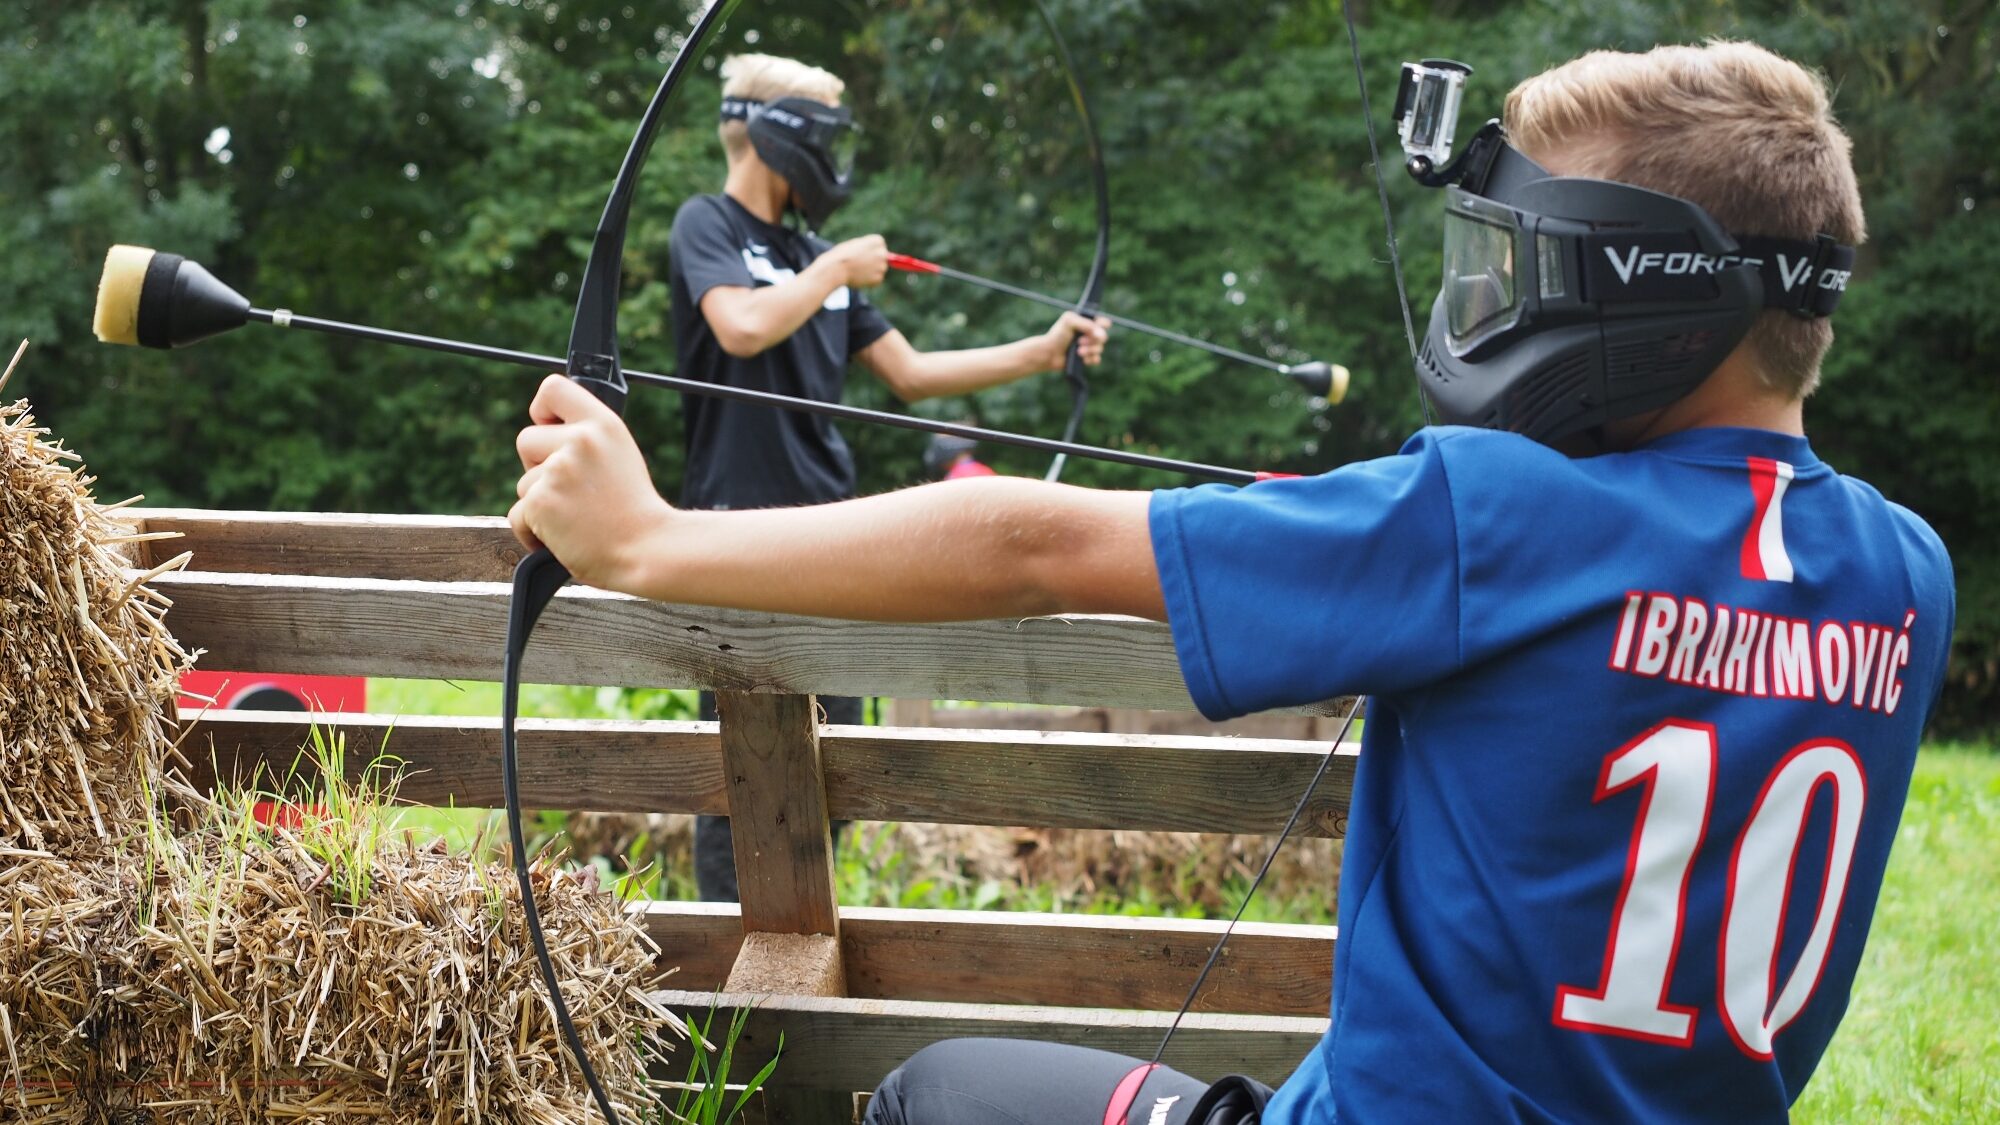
759 303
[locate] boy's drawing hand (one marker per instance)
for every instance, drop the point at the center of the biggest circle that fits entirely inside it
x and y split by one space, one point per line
863 262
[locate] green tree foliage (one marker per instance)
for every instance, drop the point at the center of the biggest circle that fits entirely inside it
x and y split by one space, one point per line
441 169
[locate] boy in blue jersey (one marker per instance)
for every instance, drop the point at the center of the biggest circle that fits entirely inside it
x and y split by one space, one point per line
1641 723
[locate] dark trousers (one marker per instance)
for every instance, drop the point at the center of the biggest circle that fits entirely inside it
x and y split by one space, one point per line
1023 1082
714 850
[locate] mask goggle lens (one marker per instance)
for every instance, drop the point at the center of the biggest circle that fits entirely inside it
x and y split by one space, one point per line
827 129
840 147
1481 297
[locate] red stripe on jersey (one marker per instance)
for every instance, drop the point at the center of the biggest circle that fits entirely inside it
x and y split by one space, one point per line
1763 555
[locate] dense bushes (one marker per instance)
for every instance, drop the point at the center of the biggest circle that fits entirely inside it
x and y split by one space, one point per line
441 170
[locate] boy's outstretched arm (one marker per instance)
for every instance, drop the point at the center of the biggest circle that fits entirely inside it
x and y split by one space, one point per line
961 550
914 376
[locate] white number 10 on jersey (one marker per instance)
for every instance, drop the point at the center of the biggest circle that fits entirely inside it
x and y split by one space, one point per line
1676 762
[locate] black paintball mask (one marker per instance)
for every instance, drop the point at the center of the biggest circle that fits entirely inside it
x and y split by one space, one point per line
1569 302
809 143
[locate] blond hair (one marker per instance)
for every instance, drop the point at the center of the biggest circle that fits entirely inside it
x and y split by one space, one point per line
766 78
1746 134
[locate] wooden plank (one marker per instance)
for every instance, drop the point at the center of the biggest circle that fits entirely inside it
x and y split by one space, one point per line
1048 780
921 713
602 766
1140 963
454 630
850 1045
777 813
1061 780
783 966
435 548
994 957
808 1107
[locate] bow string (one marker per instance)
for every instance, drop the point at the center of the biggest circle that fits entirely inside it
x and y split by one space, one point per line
1093 287
1403 303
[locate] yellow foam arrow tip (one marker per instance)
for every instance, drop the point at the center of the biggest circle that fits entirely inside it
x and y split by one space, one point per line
117 318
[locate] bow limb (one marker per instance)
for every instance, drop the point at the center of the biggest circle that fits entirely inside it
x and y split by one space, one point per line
1093 286
593 361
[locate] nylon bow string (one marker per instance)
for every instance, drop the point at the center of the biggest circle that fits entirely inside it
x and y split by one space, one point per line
1409 329
1093 286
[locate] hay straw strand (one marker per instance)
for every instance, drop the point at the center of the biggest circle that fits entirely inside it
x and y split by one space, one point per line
12 364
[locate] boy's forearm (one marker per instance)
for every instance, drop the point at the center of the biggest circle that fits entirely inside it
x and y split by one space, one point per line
963 550
961 372
770 314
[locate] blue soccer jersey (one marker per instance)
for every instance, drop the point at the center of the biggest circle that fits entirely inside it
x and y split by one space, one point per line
1640 731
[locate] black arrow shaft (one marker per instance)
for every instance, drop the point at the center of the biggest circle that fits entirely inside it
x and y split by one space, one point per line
549 363
1121 321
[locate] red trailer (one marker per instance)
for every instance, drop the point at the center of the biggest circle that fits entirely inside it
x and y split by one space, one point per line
264 691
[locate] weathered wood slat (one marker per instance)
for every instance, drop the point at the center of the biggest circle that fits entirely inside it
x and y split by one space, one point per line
1004 958
602 766
777 813
1268 724
433 548
850 1044
453 630
996 957
1167 783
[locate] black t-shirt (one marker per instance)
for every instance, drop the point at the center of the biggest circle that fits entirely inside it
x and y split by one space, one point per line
741 455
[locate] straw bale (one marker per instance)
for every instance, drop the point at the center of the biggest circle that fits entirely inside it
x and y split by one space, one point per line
277 987
87 667
55 985
166 959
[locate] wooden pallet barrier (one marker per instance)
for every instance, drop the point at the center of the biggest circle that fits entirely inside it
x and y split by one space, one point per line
851 990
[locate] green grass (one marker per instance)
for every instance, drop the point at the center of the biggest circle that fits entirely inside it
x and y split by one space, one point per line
538 701
1921 1041
467 830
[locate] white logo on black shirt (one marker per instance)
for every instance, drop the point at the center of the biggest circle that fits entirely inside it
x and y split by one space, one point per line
764 273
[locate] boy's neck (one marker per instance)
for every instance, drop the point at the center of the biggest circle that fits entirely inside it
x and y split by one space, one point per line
761 191
1735 395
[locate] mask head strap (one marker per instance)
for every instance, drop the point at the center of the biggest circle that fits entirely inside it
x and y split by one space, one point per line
1804 278
815 122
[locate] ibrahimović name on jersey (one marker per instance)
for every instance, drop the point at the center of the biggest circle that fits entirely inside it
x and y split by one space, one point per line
1744 652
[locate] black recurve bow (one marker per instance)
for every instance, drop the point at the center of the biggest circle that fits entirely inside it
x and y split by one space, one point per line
594 362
